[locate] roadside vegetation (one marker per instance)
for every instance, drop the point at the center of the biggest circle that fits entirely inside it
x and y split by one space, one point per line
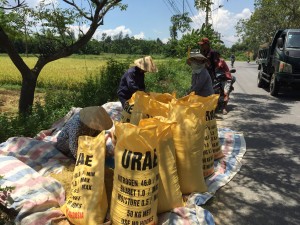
94 85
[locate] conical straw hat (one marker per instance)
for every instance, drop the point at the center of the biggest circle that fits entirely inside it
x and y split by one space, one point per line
146 63
95 117
196 56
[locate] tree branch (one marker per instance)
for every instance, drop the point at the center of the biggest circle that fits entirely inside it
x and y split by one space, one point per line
81 12
83 40
6 44
19 4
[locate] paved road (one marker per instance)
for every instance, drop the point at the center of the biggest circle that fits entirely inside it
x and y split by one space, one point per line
266 191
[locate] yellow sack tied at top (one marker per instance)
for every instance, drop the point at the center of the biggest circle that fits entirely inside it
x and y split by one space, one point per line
148 107
127 110
188 137
87 203
169 193
136 178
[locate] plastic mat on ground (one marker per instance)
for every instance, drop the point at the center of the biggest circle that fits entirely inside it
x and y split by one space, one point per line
24 162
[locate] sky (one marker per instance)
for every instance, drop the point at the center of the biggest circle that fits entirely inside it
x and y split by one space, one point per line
151 19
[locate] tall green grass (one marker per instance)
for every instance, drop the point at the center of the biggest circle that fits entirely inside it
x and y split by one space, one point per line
173 76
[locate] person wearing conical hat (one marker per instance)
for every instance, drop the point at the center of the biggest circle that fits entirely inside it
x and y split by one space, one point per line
89 121
134 78
201 81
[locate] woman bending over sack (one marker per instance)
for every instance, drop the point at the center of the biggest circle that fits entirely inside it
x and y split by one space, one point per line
89 121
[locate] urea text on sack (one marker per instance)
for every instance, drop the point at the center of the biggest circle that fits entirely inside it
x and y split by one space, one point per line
81 173
135 202
210 115
138 160
133 182
138 192
74 215
138 214
74 204
128 108
142 222
84 160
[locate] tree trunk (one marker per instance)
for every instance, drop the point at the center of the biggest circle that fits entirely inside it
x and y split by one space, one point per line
27 92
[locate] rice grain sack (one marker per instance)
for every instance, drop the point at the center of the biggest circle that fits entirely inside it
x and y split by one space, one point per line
127 110
87 203
208 155
169 193
163 97
188 135
211 103
147 107
136 178
138 112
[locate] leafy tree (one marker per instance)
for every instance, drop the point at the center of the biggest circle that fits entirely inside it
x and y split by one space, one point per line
269 16
52 25
179 22
206 6
190 40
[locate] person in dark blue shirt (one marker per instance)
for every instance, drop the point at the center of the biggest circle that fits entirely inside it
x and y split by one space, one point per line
134 78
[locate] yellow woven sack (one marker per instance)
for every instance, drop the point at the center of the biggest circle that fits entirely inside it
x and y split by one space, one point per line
208 155
87 203
127 110
147 107
188 137
163 97
136 178
211 103
141 99
169 193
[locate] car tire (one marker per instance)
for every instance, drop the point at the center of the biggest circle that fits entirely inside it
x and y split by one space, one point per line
274 86
260 82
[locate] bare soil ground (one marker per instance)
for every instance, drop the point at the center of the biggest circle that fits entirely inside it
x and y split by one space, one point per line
9 100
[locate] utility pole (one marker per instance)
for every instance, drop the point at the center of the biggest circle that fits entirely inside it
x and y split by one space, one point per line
208 12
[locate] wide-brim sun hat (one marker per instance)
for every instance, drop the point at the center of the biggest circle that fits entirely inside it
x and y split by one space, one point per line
197 56
95 117
146 63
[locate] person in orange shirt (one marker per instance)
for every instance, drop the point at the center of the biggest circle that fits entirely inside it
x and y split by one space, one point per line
222 67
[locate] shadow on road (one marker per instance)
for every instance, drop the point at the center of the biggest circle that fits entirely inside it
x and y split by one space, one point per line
287 94
266 189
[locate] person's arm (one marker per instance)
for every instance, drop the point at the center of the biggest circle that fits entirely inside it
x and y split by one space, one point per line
225 68
133 82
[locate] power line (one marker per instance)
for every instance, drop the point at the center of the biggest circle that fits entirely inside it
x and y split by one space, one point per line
188 4
174 6
168 7
179 3
194 20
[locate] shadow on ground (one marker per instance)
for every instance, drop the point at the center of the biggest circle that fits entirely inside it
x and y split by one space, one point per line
266 189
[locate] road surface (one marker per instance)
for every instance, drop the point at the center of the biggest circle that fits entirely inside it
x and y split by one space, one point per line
266 191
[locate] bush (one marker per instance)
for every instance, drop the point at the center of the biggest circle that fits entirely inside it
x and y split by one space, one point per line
173 76
97 90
